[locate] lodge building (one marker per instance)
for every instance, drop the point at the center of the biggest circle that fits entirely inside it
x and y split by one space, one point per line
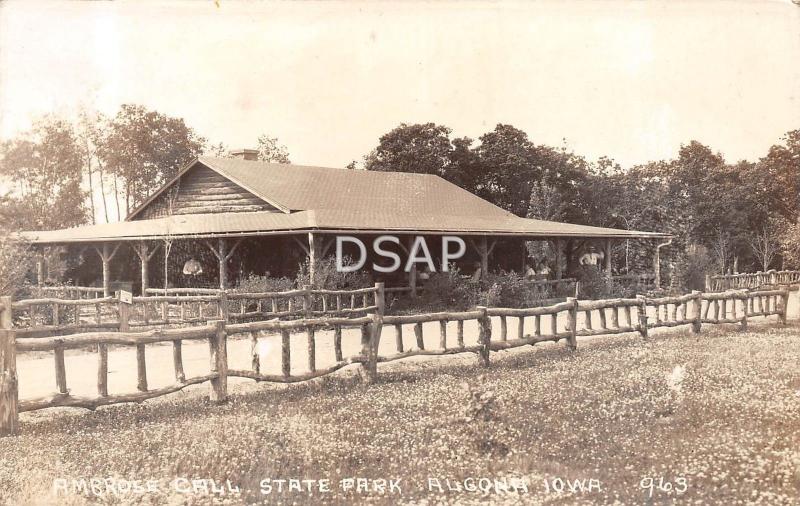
224 216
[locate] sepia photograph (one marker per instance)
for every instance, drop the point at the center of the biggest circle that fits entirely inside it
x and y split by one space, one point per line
400 252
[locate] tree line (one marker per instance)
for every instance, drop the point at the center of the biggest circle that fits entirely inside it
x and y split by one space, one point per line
738 215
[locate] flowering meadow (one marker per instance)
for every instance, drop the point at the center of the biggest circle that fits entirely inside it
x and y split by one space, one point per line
708 419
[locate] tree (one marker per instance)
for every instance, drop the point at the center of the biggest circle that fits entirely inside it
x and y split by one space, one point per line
765 246
269 150
510 166
419 148
45 169
782 165
143 149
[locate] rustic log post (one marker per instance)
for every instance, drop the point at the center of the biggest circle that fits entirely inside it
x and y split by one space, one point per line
485 336
418 336
255 359
141 368
102 370
314 256
380 298
443 334
743 320
572 323
223 254
224 310
61 370
39 267
708 283
460 333
607 256
783 304
219 363
311 341
370 336
9 393
223 263
642 316
144 253
697 303
286 352
177 359
106 254
557 253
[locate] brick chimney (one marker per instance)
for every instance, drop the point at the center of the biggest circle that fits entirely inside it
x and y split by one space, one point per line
245 154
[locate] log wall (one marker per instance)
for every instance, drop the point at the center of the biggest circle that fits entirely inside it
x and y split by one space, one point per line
203 191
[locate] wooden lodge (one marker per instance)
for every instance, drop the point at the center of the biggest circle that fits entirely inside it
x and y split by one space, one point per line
220 215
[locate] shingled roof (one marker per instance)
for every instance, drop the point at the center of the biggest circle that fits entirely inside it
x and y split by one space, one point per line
333 200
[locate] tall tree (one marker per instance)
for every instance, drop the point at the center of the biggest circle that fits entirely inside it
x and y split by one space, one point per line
420 148
143 149
45 167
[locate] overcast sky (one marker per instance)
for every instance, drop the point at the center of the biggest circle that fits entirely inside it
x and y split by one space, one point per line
630 80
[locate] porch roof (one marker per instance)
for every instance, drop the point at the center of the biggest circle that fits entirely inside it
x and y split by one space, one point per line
324 221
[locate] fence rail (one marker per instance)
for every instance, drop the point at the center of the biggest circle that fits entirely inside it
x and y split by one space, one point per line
751 280
566 321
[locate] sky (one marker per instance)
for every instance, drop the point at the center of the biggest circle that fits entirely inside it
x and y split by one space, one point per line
630 80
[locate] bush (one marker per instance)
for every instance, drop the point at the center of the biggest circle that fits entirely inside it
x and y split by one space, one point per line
511 289
442 291
254 284
328 277
690 272
595 284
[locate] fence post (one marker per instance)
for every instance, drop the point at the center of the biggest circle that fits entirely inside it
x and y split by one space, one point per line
9 395
572 323
307 301
784 304
708 283
642 315
369 364
697 302
124 311
380 298
484 336
743 298
223 305
219 363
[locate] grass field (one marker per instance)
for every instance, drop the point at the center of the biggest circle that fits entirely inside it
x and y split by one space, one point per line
724 429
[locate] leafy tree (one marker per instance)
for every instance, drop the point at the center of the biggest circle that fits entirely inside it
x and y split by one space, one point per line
143 149
269 150
44 167
420 148
782 165
510 167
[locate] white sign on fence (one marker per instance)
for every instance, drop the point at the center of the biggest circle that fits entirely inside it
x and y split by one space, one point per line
124 296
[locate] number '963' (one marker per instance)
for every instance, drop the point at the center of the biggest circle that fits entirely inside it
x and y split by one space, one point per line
660 485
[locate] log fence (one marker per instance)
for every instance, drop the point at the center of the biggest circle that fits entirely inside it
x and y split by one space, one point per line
180 307
565 321
753 280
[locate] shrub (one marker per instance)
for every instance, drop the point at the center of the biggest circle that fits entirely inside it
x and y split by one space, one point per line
510 289
442 291
255 284
328 277
690 272
595 284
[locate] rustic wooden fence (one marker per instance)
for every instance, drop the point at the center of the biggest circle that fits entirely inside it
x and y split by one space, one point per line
50 316
751 280
69 292
567 321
